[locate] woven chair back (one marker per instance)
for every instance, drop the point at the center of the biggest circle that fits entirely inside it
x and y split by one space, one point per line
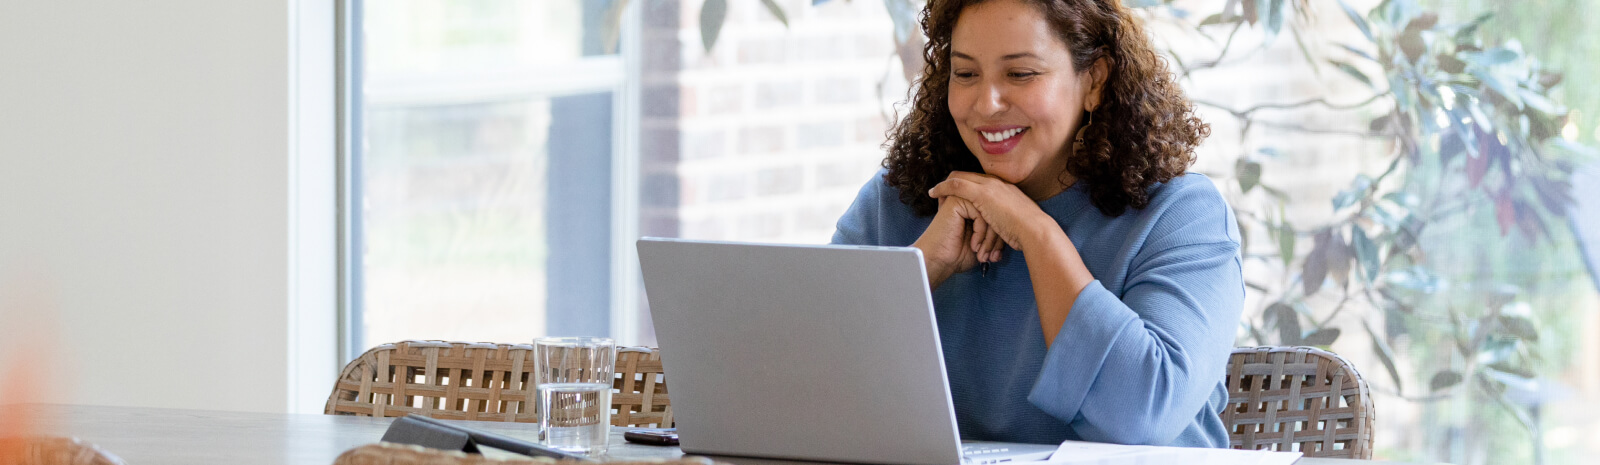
1297 399
384 453
484 382
53 451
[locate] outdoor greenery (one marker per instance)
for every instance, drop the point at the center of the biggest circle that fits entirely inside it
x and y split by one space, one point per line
1475 127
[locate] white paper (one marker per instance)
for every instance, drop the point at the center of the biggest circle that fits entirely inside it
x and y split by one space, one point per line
1095 453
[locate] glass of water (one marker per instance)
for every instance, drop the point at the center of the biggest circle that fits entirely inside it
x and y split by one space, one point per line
573 376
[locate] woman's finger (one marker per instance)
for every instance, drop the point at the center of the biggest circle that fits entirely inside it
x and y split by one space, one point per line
996 246
986 243
952 187
980 236
972 177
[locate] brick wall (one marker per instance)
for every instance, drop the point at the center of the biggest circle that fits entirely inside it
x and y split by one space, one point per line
768 136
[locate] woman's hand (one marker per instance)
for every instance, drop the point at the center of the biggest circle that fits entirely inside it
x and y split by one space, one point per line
1007 213
946 243
1054 267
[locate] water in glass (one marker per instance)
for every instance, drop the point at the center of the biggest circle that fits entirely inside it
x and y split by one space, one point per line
576 416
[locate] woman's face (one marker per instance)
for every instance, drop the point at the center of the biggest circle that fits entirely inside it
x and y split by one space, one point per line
1014 94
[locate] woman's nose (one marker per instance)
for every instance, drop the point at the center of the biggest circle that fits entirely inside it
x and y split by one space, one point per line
991 100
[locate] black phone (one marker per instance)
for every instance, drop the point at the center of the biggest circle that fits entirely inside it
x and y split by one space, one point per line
654 437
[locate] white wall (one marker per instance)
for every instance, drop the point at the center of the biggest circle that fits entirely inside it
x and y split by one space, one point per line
166 171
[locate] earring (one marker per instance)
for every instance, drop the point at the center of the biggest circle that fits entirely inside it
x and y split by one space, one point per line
1077 142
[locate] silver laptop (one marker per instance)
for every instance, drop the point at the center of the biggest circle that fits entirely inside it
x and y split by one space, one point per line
818 353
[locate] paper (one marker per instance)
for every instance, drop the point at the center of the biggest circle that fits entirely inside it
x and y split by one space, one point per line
1095 453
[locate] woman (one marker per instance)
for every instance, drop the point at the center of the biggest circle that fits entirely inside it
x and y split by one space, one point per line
1085 287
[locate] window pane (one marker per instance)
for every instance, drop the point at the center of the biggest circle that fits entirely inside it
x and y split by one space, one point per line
461 117
454 209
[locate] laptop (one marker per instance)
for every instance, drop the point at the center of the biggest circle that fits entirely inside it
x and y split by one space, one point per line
803 352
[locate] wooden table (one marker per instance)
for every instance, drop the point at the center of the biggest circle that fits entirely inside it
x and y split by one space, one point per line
176 437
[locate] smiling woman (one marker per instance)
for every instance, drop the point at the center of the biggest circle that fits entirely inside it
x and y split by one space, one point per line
1110 323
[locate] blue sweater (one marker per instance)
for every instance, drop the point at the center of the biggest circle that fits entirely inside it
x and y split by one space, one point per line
1141 356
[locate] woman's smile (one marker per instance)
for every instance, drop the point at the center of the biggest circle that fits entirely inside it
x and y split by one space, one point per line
1000 139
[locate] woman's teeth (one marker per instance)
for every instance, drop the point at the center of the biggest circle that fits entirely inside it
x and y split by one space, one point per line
1002 135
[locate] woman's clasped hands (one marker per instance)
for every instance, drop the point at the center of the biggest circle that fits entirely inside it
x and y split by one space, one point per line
978 215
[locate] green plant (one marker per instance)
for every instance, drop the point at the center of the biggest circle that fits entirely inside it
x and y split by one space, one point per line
1473 127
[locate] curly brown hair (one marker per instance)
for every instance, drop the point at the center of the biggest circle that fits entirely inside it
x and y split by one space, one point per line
1144 130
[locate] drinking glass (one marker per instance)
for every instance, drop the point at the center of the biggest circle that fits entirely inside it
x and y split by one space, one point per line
573 376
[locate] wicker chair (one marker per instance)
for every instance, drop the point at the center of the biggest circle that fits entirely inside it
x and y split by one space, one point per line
483 381
396 454
53 451
1297 398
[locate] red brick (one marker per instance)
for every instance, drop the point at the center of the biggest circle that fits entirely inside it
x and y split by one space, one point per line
760 140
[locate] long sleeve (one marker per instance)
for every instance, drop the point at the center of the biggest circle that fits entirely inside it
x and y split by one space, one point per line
1137 369
878 218
852 228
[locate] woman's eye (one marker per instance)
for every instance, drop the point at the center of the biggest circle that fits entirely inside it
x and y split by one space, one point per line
965 74
1023 74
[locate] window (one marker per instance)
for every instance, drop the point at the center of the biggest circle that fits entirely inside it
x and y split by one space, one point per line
485 179
510 158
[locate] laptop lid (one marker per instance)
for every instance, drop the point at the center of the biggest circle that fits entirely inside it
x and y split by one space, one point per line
824 353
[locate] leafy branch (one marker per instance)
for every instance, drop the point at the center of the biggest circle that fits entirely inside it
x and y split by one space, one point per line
1473 126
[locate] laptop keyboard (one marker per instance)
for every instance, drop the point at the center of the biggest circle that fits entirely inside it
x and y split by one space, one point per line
976 451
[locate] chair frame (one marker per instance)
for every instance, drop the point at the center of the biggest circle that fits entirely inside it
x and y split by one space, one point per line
484 382
1297 398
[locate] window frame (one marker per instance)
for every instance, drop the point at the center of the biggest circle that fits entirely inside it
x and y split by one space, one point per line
617 74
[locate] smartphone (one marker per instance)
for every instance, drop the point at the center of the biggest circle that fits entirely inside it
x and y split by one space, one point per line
654 437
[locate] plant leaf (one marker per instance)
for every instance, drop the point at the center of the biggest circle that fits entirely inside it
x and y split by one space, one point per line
1548 79
1283 317
1366 252
1315 269
1444 379
1285 242
1380 123
1220 18
1451 64
1520 327
1492 57
1357 190
1424 21
1538 102
1249 174
1356 18
1274 24
1464 35
1352 71
1338 256
1478 165
712 14
1359 52
1321 337
772 6
1505 367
